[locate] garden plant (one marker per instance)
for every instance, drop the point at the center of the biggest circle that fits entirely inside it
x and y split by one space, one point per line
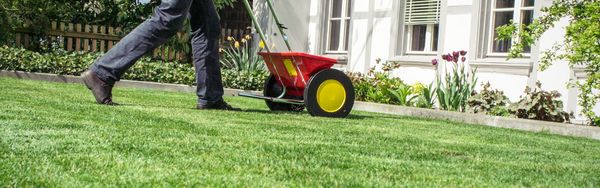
455 87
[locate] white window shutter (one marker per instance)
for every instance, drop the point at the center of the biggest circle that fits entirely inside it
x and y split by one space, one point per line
422 12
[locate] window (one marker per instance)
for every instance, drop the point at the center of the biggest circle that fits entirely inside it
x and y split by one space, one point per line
502 12
338 26
421 21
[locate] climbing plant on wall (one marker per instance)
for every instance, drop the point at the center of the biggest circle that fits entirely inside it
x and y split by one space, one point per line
581 46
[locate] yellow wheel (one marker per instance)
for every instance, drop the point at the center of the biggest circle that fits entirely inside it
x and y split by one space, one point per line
329 93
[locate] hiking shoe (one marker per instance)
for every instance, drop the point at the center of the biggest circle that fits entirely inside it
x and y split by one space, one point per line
100 89
219 105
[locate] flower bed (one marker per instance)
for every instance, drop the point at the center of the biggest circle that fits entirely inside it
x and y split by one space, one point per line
74 63
453 90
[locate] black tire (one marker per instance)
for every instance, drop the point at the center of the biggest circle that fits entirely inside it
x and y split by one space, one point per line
312 89
273 88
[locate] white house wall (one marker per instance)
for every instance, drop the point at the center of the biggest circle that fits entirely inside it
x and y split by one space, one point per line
557 76
314 26
360 40
294 15
371 27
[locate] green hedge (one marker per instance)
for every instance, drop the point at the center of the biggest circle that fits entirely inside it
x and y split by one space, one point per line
147 69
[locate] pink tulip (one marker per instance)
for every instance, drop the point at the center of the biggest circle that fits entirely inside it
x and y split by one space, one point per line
463 59
434 62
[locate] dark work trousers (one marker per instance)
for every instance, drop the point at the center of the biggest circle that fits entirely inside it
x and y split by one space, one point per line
167 20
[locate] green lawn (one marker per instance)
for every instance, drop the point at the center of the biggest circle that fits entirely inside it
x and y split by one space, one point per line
54 135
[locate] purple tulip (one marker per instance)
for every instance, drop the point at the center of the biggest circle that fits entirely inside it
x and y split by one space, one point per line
463 53
434 62
455 54
449 57
444 57
463 59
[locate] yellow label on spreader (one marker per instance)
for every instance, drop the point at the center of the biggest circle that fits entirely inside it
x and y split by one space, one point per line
289 66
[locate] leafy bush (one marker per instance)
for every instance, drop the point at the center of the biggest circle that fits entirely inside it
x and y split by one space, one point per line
56 63
488 101
425 95
376 85
36 15
5 32
74 63
453 91
540 105
158 71
403 95
244 80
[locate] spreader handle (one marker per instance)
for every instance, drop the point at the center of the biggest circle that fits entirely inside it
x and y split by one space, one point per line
279 25
256 25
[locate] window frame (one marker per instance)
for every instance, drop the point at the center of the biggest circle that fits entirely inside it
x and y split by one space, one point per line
403 45
429 43
345 21
517 10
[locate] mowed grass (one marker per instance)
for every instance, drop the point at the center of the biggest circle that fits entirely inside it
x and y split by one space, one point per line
54 135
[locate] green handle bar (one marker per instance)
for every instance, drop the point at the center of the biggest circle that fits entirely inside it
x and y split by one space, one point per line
260 31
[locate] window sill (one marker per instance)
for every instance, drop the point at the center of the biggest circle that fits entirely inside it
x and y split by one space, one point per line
416 53
579 72
521 67
421 61
498 55
341 58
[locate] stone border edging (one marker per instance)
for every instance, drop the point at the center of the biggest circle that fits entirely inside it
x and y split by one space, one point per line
487 120
492 121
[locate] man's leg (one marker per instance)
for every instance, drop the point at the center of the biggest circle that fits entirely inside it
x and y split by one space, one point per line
205 50
167 19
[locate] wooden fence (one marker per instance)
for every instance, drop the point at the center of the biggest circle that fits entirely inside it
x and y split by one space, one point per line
76 37
95 38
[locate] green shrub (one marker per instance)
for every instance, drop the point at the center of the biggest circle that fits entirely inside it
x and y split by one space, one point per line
60 62
425 95
376 85
158 71
404 95
244 80
540 105
488 101
75 63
